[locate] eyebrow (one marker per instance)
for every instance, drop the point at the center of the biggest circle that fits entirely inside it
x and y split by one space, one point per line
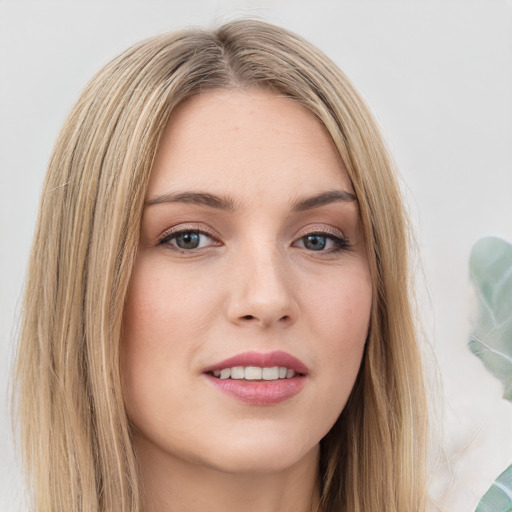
227 204
199 198
332 196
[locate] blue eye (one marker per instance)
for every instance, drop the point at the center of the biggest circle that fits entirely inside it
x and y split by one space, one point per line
187 240
315 242
321 242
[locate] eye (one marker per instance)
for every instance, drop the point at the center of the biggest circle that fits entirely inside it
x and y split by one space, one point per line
323 242
188 240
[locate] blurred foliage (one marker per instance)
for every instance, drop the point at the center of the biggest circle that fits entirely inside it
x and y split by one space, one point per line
491 338
499 497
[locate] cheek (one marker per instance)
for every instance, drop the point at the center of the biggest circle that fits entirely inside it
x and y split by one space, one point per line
165 318
164 305
342 308
340 315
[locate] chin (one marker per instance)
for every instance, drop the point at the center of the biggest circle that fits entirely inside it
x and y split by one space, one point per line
261 460
256 451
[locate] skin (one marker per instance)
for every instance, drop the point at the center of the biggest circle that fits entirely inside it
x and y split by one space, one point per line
253 284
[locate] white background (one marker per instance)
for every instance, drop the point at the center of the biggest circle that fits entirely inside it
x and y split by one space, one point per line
438 75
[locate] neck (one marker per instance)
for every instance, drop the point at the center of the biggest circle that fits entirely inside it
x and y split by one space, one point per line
176 485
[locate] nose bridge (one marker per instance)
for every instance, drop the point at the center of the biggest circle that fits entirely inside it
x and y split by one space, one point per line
262 288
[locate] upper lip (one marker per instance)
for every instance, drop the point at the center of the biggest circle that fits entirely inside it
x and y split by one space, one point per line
263 360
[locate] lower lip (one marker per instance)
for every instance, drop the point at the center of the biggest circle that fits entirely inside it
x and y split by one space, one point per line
259 392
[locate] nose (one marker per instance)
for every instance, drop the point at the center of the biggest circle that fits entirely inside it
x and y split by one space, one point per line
262 290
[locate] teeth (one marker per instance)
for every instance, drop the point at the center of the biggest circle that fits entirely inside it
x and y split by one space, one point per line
254 373
225 373
238 372
270 373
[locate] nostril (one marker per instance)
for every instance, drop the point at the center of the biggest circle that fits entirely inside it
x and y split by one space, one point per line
284 318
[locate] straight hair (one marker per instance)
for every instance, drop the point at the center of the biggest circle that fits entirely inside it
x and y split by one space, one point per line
75 434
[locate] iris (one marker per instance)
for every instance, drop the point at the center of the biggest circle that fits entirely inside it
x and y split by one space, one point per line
315 242
187 240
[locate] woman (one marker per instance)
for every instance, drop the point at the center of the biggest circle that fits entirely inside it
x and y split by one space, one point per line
218 312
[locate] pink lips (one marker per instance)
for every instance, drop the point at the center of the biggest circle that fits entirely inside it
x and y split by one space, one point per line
269 359
260 392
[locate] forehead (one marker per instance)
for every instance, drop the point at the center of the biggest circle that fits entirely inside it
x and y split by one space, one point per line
223 139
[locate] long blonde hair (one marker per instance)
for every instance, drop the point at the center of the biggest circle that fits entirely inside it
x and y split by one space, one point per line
75 435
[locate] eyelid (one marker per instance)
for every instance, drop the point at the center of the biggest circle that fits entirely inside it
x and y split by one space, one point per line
320 229
181 228
335 234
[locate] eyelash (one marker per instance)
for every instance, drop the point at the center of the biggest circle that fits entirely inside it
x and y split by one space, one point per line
341 244
167 238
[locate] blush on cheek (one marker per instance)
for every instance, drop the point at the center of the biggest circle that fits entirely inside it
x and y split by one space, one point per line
350 321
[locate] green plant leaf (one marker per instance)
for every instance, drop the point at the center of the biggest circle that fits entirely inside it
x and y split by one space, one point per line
491 338
499 497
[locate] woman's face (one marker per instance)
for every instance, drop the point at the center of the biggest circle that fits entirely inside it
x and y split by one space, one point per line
250 298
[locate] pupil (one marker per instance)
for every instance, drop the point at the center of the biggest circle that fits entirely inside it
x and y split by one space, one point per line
189 240
315 242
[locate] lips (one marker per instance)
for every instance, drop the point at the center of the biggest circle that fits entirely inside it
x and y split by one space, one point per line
258 378
261 360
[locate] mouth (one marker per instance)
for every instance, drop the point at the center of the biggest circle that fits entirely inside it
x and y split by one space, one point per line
259 378
255 373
